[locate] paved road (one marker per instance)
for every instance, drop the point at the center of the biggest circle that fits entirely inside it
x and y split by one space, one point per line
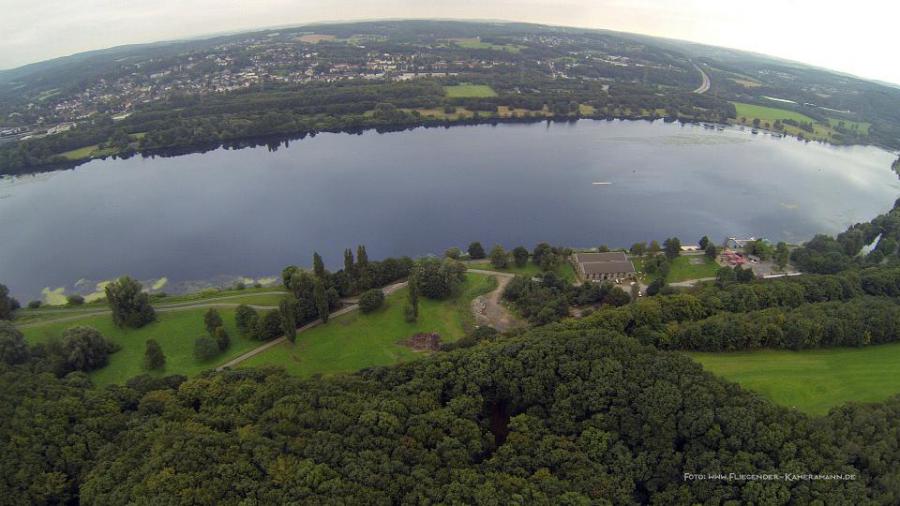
704 87
275 342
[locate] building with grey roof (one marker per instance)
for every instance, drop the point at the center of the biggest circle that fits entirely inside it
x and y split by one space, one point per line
612 266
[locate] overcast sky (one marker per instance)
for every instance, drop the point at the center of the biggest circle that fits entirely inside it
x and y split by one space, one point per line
857 36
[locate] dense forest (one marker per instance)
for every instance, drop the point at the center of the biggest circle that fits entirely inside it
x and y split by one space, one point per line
554 416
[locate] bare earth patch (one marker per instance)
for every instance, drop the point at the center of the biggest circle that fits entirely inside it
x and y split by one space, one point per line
425 341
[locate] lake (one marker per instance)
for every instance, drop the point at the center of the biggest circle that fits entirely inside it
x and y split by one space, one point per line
230 213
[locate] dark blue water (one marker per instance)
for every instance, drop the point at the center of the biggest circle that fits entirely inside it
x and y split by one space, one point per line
250 212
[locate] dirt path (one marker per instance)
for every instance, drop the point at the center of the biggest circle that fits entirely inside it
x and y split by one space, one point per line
275 342
159 309
489 309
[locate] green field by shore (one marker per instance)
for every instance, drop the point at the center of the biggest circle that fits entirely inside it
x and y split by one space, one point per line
174 330
812 381
355 340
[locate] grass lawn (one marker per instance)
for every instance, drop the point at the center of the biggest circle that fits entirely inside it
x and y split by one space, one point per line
565 270
470 91
246 296
80 153
812 381
476 43
681 269
860 126
175 331
355 340
439 113
88 152
770 114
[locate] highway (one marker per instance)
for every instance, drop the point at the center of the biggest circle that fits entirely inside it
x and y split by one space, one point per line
705 85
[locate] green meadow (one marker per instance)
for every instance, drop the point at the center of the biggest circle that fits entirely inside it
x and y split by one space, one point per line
565 270
354 341
470 91
812 381
682 268
751 111
174 330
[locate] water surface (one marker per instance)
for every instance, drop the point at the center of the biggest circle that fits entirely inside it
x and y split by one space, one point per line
250 212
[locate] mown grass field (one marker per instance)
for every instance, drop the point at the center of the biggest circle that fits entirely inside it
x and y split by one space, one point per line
469 91
355 340
751 111
475 43
246 296
812 381
681 269
821 131
859 126
175 331
565 271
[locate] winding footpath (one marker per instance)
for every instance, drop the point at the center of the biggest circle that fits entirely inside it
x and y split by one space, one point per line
488 308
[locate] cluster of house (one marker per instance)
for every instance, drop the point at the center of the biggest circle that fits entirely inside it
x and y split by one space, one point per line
616 267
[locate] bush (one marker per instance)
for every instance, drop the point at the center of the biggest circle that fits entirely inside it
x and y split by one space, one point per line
75 300
34 304
85 349
153 356
212 321
6 303
476 251
221 337
371 300
438 279
269 326
205 348
520 256
499 257
245 318
13 349
453 253
129 304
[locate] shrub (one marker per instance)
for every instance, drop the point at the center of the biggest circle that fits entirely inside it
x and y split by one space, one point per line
439 279
153 356
245 318
75 300
34 304
371 300
85 349
13 349
129 304
212 320
499 257
205 348
221 336
269 326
